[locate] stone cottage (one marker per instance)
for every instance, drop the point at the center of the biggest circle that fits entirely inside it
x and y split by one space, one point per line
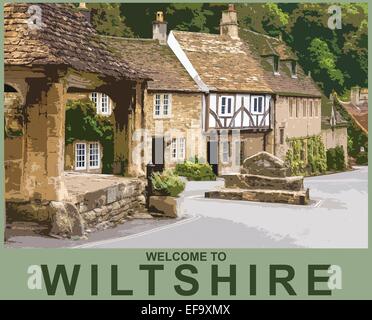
251 83
172 100
49 51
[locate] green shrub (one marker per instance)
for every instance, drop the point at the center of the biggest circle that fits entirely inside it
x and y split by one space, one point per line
195 171
331 156
316 156
336 159
167 183
362 158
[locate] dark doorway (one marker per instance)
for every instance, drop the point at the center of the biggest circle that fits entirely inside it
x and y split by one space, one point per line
158 153
212 155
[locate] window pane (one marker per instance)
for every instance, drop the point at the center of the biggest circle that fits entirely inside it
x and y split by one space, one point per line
304 111
225 151
93 97
80 150
157 105
165 105
260 100
229 102
104 103
174 148
181 148
223 105
94 155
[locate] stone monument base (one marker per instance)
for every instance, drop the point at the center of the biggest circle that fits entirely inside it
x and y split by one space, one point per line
300 197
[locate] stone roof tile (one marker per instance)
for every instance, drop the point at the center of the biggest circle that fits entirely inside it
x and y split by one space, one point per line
158 61
224 64
64 38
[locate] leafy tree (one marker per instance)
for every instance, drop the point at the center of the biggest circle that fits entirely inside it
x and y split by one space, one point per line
107 20
324 63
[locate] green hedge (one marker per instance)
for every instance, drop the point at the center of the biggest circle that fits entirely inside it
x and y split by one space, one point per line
336 159
195 171
167 183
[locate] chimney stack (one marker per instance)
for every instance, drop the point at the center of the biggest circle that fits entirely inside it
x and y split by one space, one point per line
229 23
354 95
159 28
84 11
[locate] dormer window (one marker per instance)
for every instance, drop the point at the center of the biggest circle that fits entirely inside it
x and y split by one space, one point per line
293 69
276 65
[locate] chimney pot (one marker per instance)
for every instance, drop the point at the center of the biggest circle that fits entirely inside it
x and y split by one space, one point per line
231 7
84 10
159 16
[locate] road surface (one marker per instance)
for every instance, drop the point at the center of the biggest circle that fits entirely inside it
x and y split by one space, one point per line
336 218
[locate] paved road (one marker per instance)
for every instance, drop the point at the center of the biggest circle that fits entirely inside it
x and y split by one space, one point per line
336 218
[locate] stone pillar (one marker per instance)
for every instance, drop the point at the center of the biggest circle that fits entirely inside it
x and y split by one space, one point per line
137 123
45 138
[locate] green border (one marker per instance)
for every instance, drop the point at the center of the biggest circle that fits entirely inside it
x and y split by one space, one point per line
356 263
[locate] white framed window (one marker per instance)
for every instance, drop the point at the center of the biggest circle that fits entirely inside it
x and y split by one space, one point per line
162 105
225 151
94 98
157 105
166 104
105 101
257 105
102 102
178 149
94 158
226 105
181 148
80 156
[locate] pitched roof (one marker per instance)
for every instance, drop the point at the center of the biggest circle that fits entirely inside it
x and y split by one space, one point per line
65 38
284 83
359 113
158 61
328 111
223 64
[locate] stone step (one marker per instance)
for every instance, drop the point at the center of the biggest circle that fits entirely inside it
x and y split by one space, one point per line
274 196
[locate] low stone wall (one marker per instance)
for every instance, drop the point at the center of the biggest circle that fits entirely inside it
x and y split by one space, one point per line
276 196
95 210
249 181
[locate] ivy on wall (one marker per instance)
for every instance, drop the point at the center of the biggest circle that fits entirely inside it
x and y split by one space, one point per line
306 156
83 123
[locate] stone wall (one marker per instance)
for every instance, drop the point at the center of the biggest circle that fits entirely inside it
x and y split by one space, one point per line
300 127
333 137
94 210
110 206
